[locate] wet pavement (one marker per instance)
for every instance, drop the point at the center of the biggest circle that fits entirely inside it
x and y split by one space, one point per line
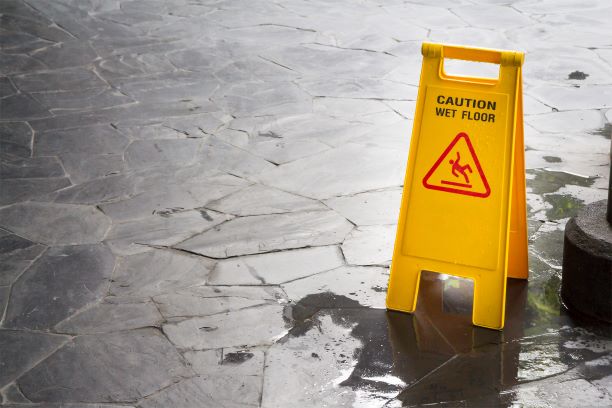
199 201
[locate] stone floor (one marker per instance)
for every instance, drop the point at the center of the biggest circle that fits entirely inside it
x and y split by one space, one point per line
198 205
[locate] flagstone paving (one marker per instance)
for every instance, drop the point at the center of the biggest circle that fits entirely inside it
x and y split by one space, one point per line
198 201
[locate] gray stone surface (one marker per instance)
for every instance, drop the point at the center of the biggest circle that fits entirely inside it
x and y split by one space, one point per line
266 233
164 229
249 327
55 224
212 391
112 315
58 284
16 254
106 360
159 271
371 245
275 267
14 361
372 208
204 195
259 200
207 300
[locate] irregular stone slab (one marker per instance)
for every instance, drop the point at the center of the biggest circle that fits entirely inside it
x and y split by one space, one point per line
493 17
243 328
312 59
158 195
22 107
94 167
570 98
266 233
11 393
371 245
257 98
67 54
20 351
356 169
371 208
81 99
16 139
569 121
209 391
259 200
112 315
228 361
159 271
88 368
366 285
206 300
68 79
55 224
361 88
165 229
318 361
275 267
16 254
224 157
98 191
563 394
58 284
18 190
38 167
153 153
93 140
4 296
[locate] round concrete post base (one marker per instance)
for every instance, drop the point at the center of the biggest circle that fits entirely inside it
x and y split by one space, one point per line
587 263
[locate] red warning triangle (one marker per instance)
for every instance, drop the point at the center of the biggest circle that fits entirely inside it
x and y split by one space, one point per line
458 170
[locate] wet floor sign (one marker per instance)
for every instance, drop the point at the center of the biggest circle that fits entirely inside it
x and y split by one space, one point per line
463 206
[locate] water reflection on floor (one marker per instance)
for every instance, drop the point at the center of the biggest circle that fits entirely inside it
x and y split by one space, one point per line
436 356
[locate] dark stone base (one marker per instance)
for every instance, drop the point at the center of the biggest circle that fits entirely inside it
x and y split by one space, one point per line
587 263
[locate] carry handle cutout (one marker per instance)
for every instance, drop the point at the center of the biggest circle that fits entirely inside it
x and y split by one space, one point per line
502 58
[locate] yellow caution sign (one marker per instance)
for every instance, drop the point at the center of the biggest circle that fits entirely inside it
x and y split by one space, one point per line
463 206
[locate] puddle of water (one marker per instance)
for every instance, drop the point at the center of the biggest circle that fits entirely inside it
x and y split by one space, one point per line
563 206
547 181
437 355
552 159
605 131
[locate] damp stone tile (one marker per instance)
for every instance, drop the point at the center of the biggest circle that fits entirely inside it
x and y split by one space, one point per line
160 230
266 233
256 326
112 315
19 190
58 284
228 361
213 391
211 300
371 208
316 366
55 224
159 271
275 267
364 284
260 200
92 140
15 361
16 139
143 359
371 245
16 254
377 168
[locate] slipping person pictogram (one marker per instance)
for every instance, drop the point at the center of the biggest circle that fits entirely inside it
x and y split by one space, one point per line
458 168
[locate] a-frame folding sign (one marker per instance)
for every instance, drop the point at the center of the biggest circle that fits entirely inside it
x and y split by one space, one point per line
463 206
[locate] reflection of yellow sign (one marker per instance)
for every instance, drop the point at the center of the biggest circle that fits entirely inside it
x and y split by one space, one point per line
463 207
